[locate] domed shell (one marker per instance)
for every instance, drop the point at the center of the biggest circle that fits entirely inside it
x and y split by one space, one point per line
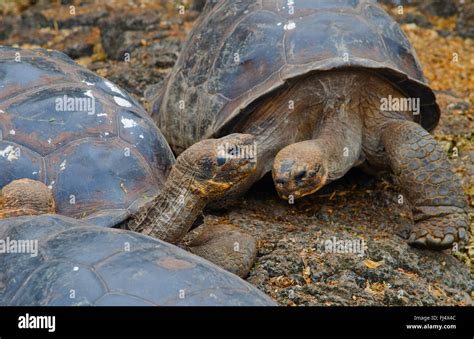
241 50
77 264
80 134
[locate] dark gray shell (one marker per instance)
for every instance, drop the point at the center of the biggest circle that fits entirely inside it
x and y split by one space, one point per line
80 264
100 161
241 50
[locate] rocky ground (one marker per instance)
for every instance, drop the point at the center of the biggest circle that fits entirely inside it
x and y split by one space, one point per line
135 44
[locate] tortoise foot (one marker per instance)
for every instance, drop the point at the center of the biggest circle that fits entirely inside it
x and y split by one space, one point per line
226 246
439 233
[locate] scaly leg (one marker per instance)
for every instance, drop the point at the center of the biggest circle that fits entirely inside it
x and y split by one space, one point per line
426 178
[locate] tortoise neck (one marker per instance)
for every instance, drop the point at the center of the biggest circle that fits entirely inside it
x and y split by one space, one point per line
341 144
171 213
338 132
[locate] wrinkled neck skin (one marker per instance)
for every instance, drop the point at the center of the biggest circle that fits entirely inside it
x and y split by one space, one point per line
338 132
171 213
347 104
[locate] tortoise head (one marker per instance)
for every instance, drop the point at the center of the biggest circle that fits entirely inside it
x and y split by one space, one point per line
218 165
299 171
26 197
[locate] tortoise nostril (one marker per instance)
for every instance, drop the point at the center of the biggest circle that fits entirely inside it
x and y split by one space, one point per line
300 175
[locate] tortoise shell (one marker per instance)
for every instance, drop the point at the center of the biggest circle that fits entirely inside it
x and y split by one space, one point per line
81 135
79 264
241 50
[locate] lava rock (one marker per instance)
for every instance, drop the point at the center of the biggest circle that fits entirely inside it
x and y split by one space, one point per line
417 19
441 7
80 43
33 20
122 33
6 27
87 19
465 23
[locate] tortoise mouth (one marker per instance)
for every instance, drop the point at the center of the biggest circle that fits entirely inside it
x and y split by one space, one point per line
298 189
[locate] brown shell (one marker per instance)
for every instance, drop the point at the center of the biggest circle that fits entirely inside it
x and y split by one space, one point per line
240 51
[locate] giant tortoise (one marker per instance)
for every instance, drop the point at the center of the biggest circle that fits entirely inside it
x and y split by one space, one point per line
324 86
105 161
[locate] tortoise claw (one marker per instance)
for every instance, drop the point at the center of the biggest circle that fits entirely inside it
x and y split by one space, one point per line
432 242
462 234
412 238
440 232
447 241
420 242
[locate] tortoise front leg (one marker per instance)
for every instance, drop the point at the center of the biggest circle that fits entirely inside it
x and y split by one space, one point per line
426 179
226 246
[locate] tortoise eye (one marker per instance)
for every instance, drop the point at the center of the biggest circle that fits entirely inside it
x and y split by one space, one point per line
300 175
312 173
